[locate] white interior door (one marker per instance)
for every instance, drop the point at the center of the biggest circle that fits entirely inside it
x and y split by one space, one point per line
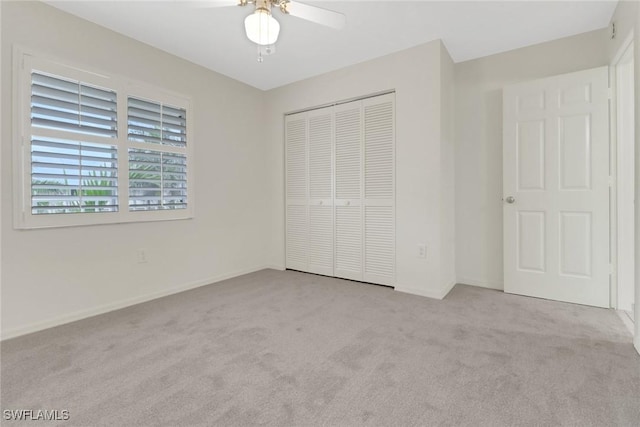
379 189
556 188
297 235
320 149
348 185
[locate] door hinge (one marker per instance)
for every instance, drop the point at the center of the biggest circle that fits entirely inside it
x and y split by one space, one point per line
610 269
609 93
610 181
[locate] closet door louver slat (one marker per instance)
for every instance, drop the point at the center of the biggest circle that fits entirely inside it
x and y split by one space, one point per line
320 128
296 177
379 245
348 182
379 189
297 237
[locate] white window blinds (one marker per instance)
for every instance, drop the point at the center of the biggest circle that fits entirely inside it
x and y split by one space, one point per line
156 123
157 180
69 175
157 175
67 105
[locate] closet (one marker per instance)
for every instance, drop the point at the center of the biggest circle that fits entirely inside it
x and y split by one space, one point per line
340 190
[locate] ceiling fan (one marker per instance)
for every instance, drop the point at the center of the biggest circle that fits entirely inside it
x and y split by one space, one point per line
263 29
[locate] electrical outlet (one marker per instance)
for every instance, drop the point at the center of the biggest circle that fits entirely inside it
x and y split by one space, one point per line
141 255
422 250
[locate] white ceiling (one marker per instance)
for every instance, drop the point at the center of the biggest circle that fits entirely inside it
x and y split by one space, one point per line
215 39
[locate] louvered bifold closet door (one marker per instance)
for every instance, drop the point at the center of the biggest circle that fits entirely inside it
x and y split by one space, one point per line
379 189
320 161
297 241
348 191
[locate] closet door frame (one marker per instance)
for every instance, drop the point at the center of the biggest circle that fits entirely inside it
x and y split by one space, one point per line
348 212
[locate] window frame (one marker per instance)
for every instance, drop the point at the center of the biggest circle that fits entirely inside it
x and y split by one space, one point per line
24 62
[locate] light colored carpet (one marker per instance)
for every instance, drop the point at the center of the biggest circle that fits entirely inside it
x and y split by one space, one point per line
293 349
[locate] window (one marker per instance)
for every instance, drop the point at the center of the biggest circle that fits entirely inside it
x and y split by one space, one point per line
96 149
69 175
158 176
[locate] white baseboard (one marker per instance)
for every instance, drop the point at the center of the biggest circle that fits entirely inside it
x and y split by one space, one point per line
490 284
625 319
429 293
447 289
101 309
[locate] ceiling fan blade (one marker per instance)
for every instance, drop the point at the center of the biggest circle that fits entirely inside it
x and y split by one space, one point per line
316 14
205 4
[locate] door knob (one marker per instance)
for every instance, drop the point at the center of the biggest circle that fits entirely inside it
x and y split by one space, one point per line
510 199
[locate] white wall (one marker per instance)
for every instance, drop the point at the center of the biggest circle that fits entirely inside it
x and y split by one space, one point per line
627 19
478 142
415 75
624 18
53 275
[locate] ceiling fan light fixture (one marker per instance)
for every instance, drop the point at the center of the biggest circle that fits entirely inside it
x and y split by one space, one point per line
262 28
